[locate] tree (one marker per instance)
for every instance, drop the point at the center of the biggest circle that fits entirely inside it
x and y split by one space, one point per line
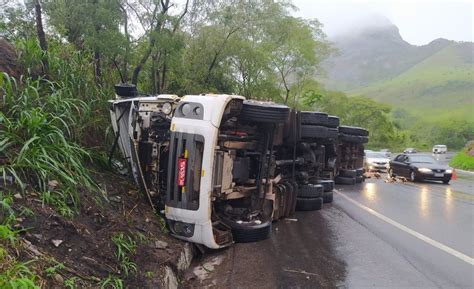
41 36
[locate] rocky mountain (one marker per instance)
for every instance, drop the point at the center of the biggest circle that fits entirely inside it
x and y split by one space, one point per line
377 62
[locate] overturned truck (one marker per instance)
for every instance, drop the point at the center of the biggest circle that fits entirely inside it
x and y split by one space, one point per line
223 168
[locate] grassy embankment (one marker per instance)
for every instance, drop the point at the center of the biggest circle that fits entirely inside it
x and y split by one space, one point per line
463 161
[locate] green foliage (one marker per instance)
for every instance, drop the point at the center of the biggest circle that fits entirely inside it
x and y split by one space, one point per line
70 283
111 282
34 131
51 271
464 159
14 274
7 234
125 246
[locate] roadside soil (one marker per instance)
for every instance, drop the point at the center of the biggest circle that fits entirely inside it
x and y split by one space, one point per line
83 243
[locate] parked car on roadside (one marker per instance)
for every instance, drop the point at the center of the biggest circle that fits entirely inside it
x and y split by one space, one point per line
376 161
410 151
419 167
440 149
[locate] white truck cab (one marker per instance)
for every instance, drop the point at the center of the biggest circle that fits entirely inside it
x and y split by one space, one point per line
219 160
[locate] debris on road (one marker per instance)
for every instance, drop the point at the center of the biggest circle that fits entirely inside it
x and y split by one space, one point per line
300 272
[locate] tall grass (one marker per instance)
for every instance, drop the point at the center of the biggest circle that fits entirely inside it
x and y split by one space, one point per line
34 131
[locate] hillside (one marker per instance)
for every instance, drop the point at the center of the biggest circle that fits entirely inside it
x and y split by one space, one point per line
378 63
441 81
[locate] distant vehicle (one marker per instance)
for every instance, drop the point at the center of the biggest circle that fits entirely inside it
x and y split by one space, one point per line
440 149
376 161
386 151
419 167
410 151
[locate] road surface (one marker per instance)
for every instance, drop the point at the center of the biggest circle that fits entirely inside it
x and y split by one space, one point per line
375 234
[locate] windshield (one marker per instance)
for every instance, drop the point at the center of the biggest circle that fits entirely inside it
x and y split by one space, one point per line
422 159
376 155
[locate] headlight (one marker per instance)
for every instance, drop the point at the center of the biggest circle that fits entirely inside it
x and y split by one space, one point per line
186 109
449 171
425 170
181 228
166 108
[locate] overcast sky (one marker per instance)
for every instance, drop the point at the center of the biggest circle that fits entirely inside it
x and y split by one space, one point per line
419 21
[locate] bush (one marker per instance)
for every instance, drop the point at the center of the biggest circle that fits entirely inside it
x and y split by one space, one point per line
463 160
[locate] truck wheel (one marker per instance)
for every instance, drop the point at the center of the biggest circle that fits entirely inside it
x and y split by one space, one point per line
333 133
363 139
359 179
348 173
327 184
333 121
265 112
345 180
314 118
352 130
309 204
314 131
328 197
349 138
360 172
249 232
310 191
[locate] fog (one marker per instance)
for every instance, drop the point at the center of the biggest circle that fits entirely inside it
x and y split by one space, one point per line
419 21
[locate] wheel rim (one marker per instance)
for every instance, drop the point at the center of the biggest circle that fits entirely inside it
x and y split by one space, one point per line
390 172
412 176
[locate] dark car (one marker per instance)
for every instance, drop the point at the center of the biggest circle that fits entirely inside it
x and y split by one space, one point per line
419 167
410 151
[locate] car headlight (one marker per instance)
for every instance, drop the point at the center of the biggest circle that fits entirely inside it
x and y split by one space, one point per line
425 170
167 108
449 171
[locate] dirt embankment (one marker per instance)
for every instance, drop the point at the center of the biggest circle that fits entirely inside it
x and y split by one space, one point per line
8 59
83 244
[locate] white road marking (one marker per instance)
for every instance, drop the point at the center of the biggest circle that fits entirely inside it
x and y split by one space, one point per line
414 233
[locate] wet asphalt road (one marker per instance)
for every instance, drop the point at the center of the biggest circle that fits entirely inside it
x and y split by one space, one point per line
375 234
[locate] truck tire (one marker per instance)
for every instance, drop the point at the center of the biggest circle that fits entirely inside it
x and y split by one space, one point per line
333 133
314 118
333 121
359 179
246 232
360 172
310 191
314 131
352 130
348 173
265 112
309 204
328 185
349 138
345 180
328 197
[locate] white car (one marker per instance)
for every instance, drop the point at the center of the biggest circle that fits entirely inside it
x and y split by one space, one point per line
376 161
440 149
